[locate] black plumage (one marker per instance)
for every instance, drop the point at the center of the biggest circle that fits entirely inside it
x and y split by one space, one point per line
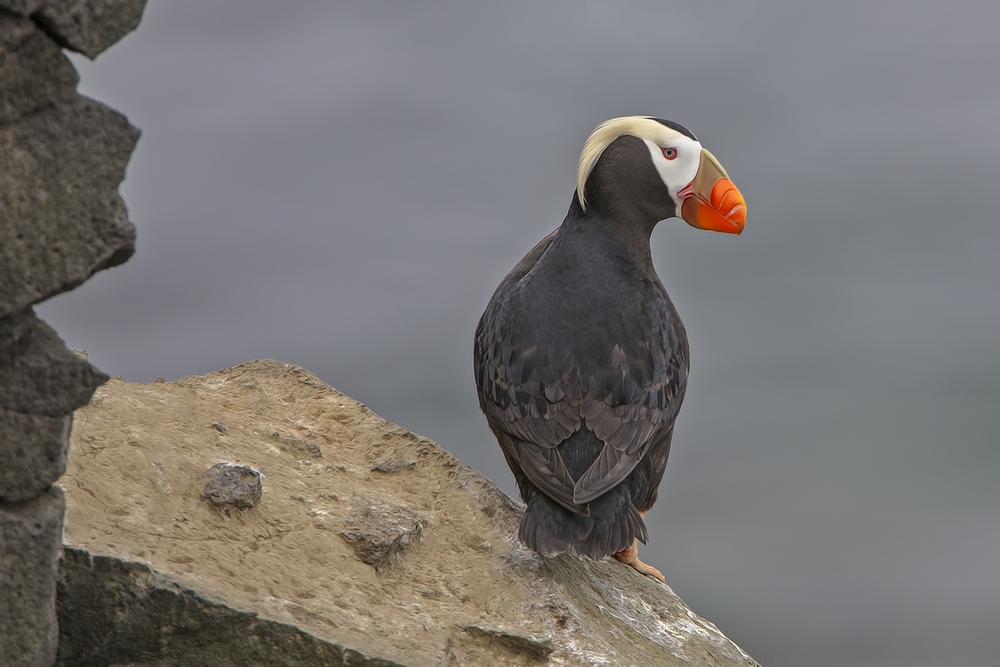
581 364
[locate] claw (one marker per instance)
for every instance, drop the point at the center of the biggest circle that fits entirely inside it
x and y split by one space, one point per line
630 557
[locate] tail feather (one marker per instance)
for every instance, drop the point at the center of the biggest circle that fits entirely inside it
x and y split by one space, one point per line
549 529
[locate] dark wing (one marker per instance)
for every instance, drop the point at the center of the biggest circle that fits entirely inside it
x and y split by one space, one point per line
536 395
529 406
634 399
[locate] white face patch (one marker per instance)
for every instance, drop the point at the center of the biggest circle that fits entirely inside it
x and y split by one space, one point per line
679 171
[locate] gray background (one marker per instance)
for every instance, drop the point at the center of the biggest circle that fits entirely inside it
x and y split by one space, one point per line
341 186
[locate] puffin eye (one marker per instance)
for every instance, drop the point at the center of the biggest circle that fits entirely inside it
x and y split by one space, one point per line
669 152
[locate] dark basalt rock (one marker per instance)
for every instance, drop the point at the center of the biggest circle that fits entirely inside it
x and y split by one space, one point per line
63 217
86 26
62 157
34 73
38 375
33 449
116 612
30 533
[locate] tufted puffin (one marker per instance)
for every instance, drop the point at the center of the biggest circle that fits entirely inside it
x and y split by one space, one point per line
581 360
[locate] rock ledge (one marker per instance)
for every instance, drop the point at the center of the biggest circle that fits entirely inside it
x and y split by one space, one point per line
369 545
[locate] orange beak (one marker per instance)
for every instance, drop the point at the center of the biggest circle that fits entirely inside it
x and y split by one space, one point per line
711 201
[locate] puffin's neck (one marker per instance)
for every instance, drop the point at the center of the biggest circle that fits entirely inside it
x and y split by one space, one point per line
624 227
625 199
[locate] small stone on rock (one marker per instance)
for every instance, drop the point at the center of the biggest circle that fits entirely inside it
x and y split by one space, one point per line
233 484
393 466
379 532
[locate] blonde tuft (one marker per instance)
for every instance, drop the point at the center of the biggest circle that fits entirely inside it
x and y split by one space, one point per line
642 127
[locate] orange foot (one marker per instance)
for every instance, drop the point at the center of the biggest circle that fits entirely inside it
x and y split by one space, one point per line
630 556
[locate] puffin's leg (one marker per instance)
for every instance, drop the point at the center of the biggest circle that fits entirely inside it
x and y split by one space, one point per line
630 556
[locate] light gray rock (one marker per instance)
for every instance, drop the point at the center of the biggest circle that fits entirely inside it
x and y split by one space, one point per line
33 452
419 567
63 219
89 26
38 375
30 533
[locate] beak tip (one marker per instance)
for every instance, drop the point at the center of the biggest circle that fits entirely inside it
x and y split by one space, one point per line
739 218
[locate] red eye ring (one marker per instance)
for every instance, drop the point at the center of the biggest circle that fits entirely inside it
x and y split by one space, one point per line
669 152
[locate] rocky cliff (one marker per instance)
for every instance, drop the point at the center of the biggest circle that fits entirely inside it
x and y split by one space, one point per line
62 157
258 516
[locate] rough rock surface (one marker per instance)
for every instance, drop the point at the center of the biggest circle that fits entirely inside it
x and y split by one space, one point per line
38 375
33 450
339 562
86 26
62 157
90 26
41 383
28 563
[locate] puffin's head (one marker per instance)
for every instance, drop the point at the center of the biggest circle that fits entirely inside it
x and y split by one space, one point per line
696 183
